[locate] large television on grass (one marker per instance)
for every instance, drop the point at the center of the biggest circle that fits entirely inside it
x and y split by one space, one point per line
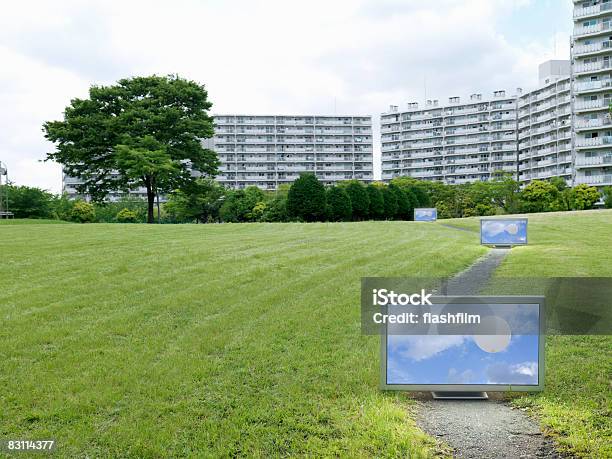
505 353
503 231
425 214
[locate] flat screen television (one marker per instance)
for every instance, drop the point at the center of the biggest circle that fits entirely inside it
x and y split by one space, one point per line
503 231
512 359
425 215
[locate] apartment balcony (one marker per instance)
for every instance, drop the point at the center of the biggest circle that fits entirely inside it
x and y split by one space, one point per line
594 141
585 86
593 48
465 170
593 123
603 160
592 67
503 168
425 173
583 31
593 10
595 179
591 104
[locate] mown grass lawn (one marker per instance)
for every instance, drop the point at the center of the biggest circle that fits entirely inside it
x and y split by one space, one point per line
576 405
206 340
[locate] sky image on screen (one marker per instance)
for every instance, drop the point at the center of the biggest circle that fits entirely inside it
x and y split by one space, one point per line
425 215
511 231
504 358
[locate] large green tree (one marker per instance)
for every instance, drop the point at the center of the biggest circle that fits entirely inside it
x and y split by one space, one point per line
141 132
306 199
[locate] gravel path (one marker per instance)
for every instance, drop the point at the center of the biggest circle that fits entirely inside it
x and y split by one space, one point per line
482 428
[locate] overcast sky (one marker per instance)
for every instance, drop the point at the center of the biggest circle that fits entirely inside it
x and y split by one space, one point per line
265 57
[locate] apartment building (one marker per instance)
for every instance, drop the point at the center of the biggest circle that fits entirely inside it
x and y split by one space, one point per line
455 143
545 125
267 151
591 56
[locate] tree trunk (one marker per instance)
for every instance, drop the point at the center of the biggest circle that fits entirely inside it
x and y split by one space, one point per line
150 200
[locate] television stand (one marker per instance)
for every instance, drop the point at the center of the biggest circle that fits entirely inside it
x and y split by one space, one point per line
458 395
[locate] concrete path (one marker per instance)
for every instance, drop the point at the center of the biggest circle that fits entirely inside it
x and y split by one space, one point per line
488 428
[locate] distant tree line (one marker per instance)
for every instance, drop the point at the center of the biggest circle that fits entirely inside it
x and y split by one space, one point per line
308 200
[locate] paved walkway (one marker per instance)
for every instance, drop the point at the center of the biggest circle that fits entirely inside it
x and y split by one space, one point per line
488 428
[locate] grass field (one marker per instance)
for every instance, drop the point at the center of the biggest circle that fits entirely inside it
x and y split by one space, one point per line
225 340
135 340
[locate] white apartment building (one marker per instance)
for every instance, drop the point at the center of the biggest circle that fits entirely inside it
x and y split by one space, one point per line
545 126
267 151
591 56
456 143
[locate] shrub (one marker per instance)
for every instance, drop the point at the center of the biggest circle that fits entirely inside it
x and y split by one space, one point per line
390 201
126 215
377 202
607 193
83 212
339 204
306 199
538 196
584 196
360 199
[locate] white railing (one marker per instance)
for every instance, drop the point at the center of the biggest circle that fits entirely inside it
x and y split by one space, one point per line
590 10
592 66
597 179
594 160
600 27
590 123
591 85
594 141
592 48
588 104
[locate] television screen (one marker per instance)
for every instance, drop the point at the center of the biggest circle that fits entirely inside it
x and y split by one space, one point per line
503 231
510 359
425 215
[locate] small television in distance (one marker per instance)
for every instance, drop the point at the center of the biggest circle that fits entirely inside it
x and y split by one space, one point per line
503 231
512 359
425 215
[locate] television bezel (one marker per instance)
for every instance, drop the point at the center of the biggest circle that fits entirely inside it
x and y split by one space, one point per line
426 208
508 299
526 220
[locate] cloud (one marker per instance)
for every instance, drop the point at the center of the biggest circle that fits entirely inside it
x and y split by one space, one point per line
419 348
521 373
261 56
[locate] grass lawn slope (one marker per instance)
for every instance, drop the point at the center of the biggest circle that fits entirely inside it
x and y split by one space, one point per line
576 405
216 340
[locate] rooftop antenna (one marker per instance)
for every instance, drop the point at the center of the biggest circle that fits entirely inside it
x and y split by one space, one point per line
425 86
335 112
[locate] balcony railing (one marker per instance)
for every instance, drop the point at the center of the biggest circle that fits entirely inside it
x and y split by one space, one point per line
592 85
596 179
592 66
588 104
594 160
600 27
590 10
592 48
594 141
